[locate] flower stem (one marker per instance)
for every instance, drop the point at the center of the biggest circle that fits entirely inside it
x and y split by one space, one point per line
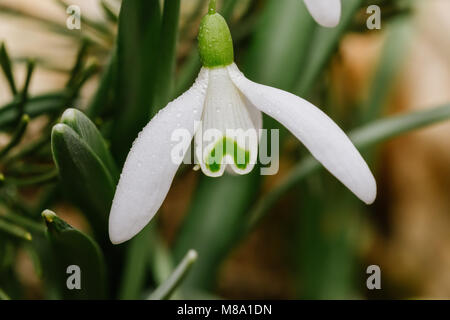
212 7
165 290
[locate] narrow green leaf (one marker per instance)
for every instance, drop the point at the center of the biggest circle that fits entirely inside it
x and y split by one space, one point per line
326 257
20 220
79 62
364 137
137 52
394 49
71 247
14 230
43 178
167 54
165 290
213 223
17 135
98 27
24 93
228 8
3 295
323 45
53 26
109 12
5 63
89 133
86 178
92 68
35 106
105 94
136 259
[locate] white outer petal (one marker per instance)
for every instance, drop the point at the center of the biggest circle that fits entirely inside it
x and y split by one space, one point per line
326 12
149 170
324 139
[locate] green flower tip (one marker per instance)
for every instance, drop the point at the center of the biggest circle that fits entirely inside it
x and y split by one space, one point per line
212 7
214 41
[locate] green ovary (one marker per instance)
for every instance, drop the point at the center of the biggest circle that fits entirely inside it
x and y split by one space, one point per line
223 147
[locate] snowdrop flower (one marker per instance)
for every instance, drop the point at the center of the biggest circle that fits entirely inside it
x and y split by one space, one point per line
326 12
222 98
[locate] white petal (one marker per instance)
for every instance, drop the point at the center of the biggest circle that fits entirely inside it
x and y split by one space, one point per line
227 123
324 139
149 169
326 12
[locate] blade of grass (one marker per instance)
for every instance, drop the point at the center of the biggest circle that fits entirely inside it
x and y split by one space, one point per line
20 220
392 55
165 290
79 62
213 223
17 135
167 54
3 295
134 273
72 247
89 133
44 178
137 52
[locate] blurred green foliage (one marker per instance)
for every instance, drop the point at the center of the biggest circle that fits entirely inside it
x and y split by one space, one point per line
140 71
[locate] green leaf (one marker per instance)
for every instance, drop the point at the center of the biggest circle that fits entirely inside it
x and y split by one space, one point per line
4 296
327 239
105 94
5 63
323 45
214 221
392 56
165 290
364 137
72 247
167 54
109 12
84 175
35 106
89 133
136 259
17 135
137 52
79 62
280 43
